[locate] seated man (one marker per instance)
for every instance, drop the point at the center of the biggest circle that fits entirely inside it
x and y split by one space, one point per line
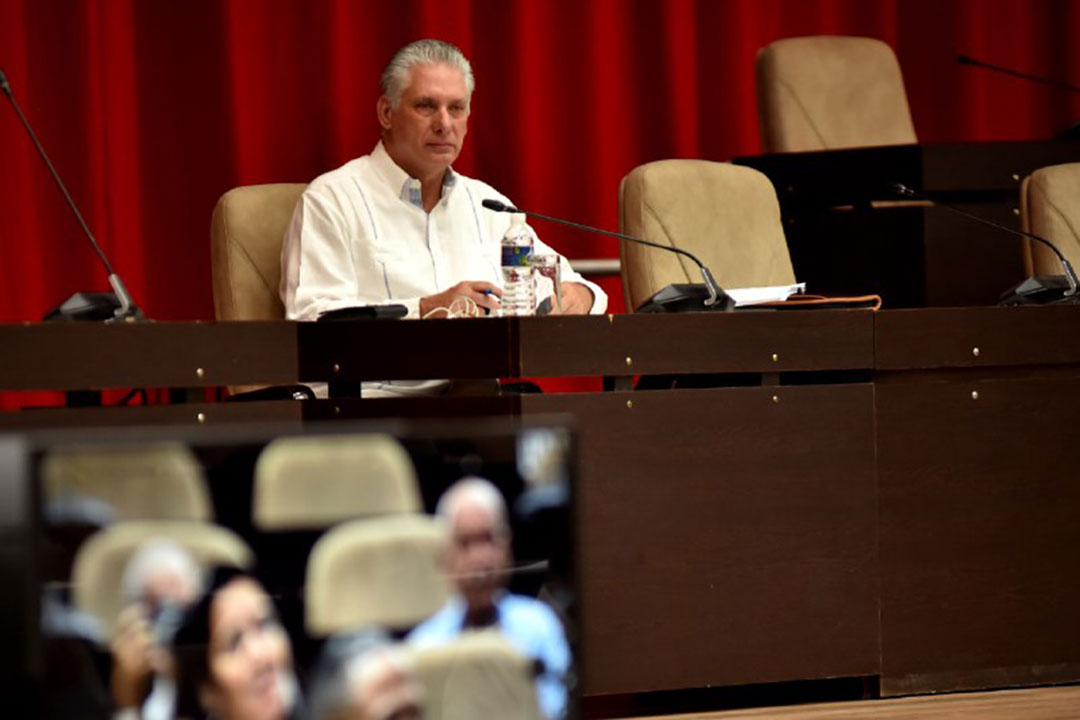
399 226
476 561
160 581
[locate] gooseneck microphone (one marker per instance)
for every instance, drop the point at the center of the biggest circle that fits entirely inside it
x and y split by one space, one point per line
677 297
125 310
1070 275
965 60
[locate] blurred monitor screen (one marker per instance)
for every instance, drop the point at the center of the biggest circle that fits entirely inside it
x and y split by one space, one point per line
343 571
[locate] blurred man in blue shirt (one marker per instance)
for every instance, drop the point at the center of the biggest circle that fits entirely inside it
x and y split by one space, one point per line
476 559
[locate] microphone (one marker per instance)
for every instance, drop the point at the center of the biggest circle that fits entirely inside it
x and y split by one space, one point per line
966 60
81 305
1033 286
681 297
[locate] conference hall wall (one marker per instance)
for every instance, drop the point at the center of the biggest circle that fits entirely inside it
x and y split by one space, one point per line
152 109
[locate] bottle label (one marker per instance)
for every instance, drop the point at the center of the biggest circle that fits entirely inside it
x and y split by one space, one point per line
516 255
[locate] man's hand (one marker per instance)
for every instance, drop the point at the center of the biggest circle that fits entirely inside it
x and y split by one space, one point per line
577 299
135 658
484 294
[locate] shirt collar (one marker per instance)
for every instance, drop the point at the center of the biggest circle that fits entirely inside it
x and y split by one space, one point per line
400 182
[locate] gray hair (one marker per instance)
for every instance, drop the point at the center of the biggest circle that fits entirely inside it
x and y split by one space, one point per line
477 490
395 76
159 555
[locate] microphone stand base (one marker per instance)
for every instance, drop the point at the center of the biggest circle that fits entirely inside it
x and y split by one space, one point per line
1040 290
685 297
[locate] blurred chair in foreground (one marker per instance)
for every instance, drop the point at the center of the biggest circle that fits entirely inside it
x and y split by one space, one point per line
828 92
1050 208
477 675
101 562
319 480
382 572
96 485
725 214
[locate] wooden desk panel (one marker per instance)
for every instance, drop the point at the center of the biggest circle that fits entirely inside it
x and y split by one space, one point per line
980 539
91 356
743 341
947 337
725 538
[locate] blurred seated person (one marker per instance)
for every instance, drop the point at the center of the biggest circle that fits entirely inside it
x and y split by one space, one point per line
234 659
159 582
400 226
477 559
364 676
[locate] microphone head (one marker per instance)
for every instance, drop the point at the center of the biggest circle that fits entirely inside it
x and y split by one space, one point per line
4 82
964 60
494 205
901 189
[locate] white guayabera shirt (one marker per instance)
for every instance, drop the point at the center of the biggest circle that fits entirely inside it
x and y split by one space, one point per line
360 236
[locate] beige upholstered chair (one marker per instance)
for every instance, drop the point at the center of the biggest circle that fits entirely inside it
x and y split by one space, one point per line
319 480
100 561
1050 208
128 482
246 232
826 92
382 571
725 214
478 675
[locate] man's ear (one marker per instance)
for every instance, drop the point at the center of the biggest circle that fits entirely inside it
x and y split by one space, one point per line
382 111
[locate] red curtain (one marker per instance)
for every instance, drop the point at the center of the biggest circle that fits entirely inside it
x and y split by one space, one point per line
151 109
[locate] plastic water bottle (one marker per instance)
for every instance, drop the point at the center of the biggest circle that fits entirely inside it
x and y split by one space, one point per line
519 287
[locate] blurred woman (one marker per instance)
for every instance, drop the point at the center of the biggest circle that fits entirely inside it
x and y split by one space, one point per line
234 657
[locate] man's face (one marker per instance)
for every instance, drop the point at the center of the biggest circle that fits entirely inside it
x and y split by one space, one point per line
424 133
478 554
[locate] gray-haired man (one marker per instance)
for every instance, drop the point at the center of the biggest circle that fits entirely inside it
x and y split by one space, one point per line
399 226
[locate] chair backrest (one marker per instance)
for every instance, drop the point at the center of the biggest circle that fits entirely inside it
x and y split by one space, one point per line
382 571
100 561
246 233
1050 208
320 480
725 214
477 675
127 482
828 92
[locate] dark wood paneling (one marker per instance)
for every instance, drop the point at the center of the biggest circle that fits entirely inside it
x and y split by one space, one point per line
947 337
284 411
743 341
78 356
725 538
979 534
393 350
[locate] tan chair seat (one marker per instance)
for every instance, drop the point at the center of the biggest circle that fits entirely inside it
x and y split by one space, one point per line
725 214
1050 208
134 482
101 560
828 92
383 571
247 231
319 480
477 675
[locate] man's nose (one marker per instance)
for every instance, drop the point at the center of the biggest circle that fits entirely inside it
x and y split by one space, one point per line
441 120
